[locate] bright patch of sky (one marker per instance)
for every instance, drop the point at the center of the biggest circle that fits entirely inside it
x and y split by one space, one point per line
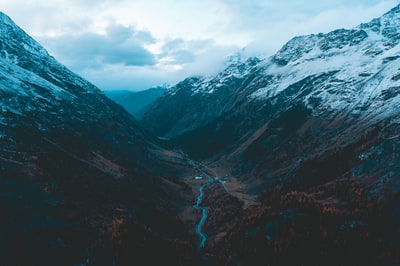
124 44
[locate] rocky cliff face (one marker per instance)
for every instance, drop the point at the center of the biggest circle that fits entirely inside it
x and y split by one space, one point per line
81 183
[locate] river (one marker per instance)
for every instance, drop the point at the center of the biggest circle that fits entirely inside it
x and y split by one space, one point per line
202 235
197 206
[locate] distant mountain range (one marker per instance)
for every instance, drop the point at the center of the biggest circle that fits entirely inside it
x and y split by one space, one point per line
292 159
136 102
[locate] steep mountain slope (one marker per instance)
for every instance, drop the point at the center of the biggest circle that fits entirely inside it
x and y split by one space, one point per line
315 130
136 103
79 183
196 101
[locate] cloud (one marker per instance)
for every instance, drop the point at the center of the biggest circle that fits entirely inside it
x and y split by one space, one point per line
119 45
270 24
209 61
115 77
119 59
93 3
175 62
136 44
179 51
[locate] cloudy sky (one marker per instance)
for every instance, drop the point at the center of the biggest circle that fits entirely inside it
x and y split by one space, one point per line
137 44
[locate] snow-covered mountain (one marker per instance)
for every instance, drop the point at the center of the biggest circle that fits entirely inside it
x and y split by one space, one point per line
33 82
315 130
78 179
359 67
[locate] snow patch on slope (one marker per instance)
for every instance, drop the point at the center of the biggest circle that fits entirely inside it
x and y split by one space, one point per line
359 65
208 85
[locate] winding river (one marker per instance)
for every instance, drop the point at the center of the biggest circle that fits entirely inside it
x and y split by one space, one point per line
201 172
202 235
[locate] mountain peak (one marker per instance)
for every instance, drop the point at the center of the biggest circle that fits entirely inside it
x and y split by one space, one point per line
384 30
15 44
387 26
391 21
7 25
4 19
394 10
